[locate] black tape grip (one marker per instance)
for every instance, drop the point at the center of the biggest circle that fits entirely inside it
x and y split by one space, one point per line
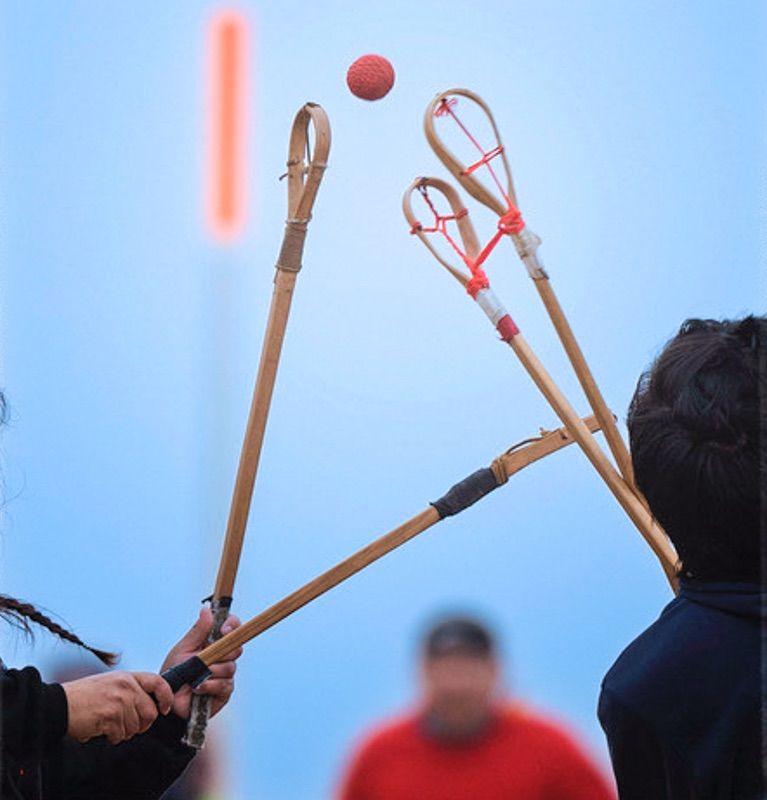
191 672
466 493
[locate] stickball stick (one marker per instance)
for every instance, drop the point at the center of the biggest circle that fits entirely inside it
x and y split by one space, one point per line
459 497
478 287
504 204
305 172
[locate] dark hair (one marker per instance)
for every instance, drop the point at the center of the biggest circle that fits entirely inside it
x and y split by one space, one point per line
458 634
696 430
21 614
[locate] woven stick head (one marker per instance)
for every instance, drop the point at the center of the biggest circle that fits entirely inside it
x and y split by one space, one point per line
497 190
441 205
306 164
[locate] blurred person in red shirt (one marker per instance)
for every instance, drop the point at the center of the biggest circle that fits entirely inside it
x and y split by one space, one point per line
465 741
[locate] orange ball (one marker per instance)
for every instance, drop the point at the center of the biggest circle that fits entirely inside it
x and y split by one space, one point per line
370 77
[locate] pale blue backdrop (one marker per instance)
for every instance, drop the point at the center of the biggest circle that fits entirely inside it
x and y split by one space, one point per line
130 338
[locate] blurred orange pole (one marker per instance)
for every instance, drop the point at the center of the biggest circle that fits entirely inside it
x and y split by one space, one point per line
227 135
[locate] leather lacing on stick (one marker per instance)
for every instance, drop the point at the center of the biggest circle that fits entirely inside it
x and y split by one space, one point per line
292 247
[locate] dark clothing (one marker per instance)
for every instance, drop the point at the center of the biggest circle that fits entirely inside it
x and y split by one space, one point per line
38 761
681 706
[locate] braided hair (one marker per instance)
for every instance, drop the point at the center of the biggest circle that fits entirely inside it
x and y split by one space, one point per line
20 614
698 430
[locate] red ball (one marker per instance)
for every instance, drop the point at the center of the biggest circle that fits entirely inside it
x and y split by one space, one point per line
370 77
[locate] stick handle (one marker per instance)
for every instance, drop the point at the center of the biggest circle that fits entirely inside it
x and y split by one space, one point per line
201 703
191 672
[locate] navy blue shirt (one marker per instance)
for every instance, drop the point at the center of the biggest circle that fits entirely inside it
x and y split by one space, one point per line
681 706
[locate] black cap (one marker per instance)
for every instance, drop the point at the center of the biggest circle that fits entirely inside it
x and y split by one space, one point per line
458 634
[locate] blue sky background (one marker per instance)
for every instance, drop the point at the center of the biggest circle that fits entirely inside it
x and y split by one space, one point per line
130 338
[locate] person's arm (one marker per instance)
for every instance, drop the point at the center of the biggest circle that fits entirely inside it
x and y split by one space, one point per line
41 723
145 766
116 705
637 757
34 715
139 769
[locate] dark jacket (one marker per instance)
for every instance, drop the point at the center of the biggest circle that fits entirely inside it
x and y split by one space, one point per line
38 761
681 705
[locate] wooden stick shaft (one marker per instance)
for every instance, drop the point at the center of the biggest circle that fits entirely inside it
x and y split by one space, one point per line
304 176
284 283
593 394
638 514
550 441
239 509
513 461
624 491
321 584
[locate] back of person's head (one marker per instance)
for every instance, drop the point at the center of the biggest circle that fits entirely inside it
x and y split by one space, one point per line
696 426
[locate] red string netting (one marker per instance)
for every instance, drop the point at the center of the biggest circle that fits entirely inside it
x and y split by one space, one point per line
444 106
445 109
510 223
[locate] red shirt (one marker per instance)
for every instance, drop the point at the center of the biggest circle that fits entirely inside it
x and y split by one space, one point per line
519 757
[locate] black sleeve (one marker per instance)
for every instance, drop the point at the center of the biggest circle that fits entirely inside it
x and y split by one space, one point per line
139 769
638 760
34 715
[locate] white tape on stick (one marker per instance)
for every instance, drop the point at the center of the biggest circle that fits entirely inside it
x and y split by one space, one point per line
491 305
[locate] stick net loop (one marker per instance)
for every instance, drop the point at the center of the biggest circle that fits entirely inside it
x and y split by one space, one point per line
446 108
465 245
511 223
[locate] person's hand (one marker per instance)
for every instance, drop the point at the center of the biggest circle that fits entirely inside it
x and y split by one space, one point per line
117 705
221 683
